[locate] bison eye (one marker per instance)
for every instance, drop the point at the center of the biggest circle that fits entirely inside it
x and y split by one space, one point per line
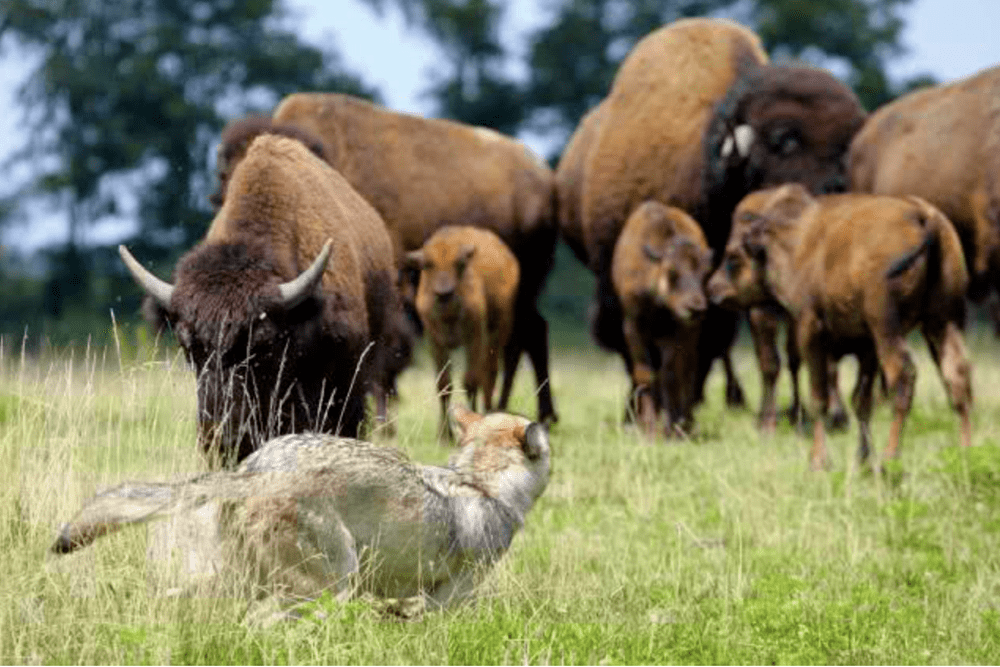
732 264
785 142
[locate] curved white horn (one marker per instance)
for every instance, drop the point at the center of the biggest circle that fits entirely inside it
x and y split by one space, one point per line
744 136
295 291
160 290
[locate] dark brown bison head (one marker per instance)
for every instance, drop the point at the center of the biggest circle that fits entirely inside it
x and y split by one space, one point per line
781 124
251 339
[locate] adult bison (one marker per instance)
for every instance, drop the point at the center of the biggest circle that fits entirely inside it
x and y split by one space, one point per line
283 307
696 118
421 174
942 144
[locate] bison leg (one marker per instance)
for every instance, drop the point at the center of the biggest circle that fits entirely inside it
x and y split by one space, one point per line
837 419
901 376
531 334
811 343
678 371
764 333
642 376
948 350
719 329
477 351
861 399
443 370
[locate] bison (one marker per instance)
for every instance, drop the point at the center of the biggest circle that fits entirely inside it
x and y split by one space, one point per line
285 306
659 267
942 144
696 118
857 273
466 297
421 174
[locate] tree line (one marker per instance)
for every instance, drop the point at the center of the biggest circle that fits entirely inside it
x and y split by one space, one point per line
133 94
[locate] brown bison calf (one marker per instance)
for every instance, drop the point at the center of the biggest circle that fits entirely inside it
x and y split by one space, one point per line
658 270
856 273
466 297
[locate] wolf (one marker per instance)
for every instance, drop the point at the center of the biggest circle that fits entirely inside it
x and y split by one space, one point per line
310 513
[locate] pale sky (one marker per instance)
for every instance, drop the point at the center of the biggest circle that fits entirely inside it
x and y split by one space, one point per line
949 39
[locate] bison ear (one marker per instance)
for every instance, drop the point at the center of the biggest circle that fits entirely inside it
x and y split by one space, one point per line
414 260
460 419
791 200
739 141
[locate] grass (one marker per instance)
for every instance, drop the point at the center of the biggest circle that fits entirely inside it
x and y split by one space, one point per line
723 549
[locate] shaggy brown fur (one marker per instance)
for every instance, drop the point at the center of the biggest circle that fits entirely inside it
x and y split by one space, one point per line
264 368
659 267
697 119
466 298
421 174
856 273
942 144
569 182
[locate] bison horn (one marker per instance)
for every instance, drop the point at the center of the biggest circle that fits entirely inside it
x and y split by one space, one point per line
295 291
741 139
160 290
744 136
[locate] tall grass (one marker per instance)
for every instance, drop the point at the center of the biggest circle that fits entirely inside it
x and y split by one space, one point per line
724 548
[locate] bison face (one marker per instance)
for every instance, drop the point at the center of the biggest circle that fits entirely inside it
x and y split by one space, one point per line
245 334
738 283
782 125
676 278
443 288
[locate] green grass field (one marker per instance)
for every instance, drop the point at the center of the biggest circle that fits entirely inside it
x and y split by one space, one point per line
724 549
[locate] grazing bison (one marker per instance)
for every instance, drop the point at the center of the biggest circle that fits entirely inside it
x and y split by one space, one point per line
659 268
278 325
421 174
466 297
942 144
696 119
857 273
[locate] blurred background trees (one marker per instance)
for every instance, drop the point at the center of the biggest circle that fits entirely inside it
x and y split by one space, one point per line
126 98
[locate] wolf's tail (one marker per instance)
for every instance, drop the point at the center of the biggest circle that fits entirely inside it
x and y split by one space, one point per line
135 503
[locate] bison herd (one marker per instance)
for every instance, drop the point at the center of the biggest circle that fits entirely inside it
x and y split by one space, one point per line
708 182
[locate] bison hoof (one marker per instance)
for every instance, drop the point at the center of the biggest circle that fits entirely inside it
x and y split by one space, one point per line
837 421
734 396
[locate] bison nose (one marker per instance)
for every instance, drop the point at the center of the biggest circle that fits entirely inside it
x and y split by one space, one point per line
444 296
699 304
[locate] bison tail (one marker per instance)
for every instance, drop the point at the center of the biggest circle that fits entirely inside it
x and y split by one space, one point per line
904 263
127 504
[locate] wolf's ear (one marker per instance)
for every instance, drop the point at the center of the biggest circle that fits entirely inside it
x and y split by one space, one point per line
460 419
536 440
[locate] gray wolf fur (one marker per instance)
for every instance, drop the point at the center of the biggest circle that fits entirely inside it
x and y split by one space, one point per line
309 513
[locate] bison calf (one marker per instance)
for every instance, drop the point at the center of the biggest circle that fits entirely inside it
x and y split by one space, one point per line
658 269
466 297
856 273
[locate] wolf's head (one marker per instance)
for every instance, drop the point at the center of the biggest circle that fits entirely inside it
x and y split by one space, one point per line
506 456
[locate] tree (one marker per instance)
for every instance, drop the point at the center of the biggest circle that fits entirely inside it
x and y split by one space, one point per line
475 88
127 100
